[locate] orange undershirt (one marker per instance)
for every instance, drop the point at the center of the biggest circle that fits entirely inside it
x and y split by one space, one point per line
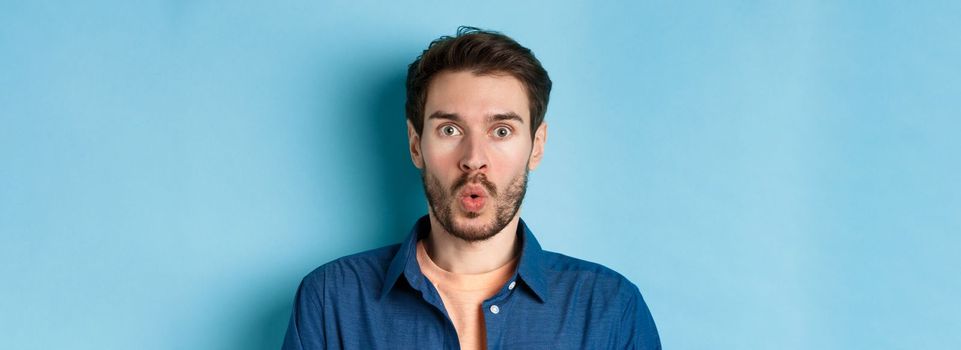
463 295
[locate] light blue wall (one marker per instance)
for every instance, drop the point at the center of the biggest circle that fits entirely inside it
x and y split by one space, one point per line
772 176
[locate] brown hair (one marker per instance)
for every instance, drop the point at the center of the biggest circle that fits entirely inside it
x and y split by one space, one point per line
481 52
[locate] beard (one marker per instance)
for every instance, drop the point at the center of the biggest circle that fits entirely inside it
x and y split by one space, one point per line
443 203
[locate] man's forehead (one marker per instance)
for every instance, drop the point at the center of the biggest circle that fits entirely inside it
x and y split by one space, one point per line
466 96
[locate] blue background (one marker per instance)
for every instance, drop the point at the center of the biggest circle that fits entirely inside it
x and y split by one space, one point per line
772 175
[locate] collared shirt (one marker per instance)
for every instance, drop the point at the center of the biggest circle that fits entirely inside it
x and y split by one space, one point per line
379 299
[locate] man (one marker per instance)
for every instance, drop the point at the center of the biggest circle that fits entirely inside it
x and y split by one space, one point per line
471 275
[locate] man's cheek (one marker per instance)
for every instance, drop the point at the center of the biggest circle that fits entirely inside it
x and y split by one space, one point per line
438 146
441 160
512 151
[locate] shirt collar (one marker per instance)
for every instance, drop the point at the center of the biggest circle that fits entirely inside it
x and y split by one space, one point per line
530 268
405 261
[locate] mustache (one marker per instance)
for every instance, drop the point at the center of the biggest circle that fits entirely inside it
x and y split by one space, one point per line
476 178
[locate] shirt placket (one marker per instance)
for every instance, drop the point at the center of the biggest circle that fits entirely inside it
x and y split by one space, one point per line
496 310
432 297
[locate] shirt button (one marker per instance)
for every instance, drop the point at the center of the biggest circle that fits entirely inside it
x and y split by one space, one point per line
495 309
511 286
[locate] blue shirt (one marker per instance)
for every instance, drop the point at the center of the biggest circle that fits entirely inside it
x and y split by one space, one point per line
379 299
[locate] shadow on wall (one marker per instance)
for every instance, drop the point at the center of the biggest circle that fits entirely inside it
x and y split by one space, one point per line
399 200
394 202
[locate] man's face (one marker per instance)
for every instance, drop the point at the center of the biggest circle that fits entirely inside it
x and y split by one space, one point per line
475 151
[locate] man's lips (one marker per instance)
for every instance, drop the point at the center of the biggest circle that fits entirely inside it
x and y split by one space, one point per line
473 197
472 203
473 191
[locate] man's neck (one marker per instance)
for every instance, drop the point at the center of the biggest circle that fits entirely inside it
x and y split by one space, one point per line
459 256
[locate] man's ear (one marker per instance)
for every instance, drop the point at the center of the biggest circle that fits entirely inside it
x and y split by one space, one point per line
414 140
537 153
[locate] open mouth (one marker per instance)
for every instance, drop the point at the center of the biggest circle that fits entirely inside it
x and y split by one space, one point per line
473 198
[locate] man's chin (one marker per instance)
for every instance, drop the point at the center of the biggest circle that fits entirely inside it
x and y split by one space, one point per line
471 215
473 226
471 219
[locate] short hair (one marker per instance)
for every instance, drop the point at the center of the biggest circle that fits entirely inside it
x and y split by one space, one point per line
481 52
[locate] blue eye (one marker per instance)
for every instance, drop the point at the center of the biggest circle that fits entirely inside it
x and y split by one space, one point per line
502 132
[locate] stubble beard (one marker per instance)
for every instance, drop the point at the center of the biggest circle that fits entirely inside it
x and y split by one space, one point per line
443 203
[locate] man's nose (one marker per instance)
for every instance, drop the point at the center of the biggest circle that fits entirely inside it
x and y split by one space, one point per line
474 154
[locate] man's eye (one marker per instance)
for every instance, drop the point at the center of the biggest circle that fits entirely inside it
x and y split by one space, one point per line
502 132
449 130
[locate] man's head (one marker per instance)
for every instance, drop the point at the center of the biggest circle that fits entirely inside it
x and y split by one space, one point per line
475 111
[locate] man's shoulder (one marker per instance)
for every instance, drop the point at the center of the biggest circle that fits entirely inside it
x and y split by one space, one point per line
567 269
358 267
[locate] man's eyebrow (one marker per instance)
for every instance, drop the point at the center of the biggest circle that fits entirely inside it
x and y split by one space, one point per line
490 118
444 115
505 116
